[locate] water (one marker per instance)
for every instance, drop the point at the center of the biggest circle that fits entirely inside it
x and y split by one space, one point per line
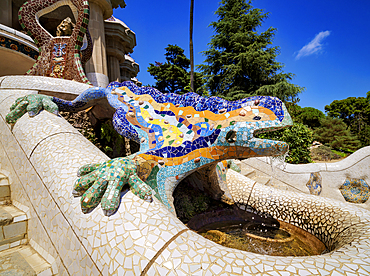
256 233
266 232
277 162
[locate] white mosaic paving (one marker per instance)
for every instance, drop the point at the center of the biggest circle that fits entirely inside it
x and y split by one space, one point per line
129 241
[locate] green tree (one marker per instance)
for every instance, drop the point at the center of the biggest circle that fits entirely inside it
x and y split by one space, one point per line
172 76
333 132
364 136
299 139
240 62
355 112
191 45
309 116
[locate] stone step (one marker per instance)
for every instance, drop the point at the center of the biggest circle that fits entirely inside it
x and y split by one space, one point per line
4 190
262 179
13 227
248 172
23 260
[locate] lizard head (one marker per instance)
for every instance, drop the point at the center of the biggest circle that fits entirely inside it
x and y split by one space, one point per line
249 117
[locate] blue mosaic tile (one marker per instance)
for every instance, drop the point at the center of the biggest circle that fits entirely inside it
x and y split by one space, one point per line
314 184
355 190
176 137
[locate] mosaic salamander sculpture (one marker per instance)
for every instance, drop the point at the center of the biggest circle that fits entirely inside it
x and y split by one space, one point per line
178 135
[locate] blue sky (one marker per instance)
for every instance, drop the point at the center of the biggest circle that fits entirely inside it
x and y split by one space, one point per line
324 43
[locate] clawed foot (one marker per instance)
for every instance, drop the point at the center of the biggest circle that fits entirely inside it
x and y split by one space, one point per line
32 104
102 183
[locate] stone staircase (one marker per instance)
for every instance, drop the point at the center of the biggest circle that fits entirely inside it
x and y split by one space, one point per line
259 176
17 257
256 176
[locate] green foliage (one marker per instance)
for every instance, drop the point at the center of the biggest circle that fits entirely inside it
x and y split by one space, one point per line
364 136
299 139
324 153
333 132
172 76
341 154
294 110
190 201
284 90
355 113
112 142
309 116
240 62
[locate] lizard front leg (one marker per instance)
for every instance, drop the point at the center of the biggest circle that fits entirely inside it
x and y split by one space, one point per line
140 188
102 183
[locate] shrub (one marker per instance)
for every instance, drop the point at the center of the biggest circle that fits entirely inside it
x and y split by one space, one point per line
299 138
324 153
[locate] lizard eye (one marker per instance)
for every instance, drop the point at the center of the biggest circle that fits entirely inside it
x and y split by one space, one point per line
231 136
257 118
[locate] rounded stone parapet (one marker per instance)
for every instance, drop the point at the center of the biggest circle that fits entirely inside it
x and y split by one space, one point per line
321 179
43 127
44 84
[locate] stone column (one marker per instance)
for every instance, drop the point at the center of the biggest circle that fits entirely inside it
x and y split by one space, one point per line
6 12
129 69
113 69
96 68
120 41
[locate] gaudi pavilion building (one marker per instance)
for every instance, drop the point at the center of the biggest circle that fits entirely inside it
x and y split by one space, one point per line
112 40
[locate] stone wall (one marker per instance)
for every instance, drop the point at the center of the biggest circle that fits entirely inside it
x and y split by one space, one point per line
331 180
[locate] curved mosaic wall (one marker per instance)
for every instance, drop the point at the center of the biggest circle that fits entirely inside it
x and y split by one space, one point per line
145 238
346 180
18 46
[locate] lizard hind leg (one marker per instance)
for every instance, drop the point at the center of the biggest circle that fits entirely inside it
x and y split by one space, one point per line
16 112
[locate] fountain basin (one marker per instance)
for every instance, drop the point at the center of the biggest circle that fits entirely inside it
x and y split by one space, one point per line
255 233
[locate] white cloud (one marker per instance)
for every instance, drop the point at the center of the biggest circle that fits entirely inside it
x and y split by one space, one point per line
314 46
